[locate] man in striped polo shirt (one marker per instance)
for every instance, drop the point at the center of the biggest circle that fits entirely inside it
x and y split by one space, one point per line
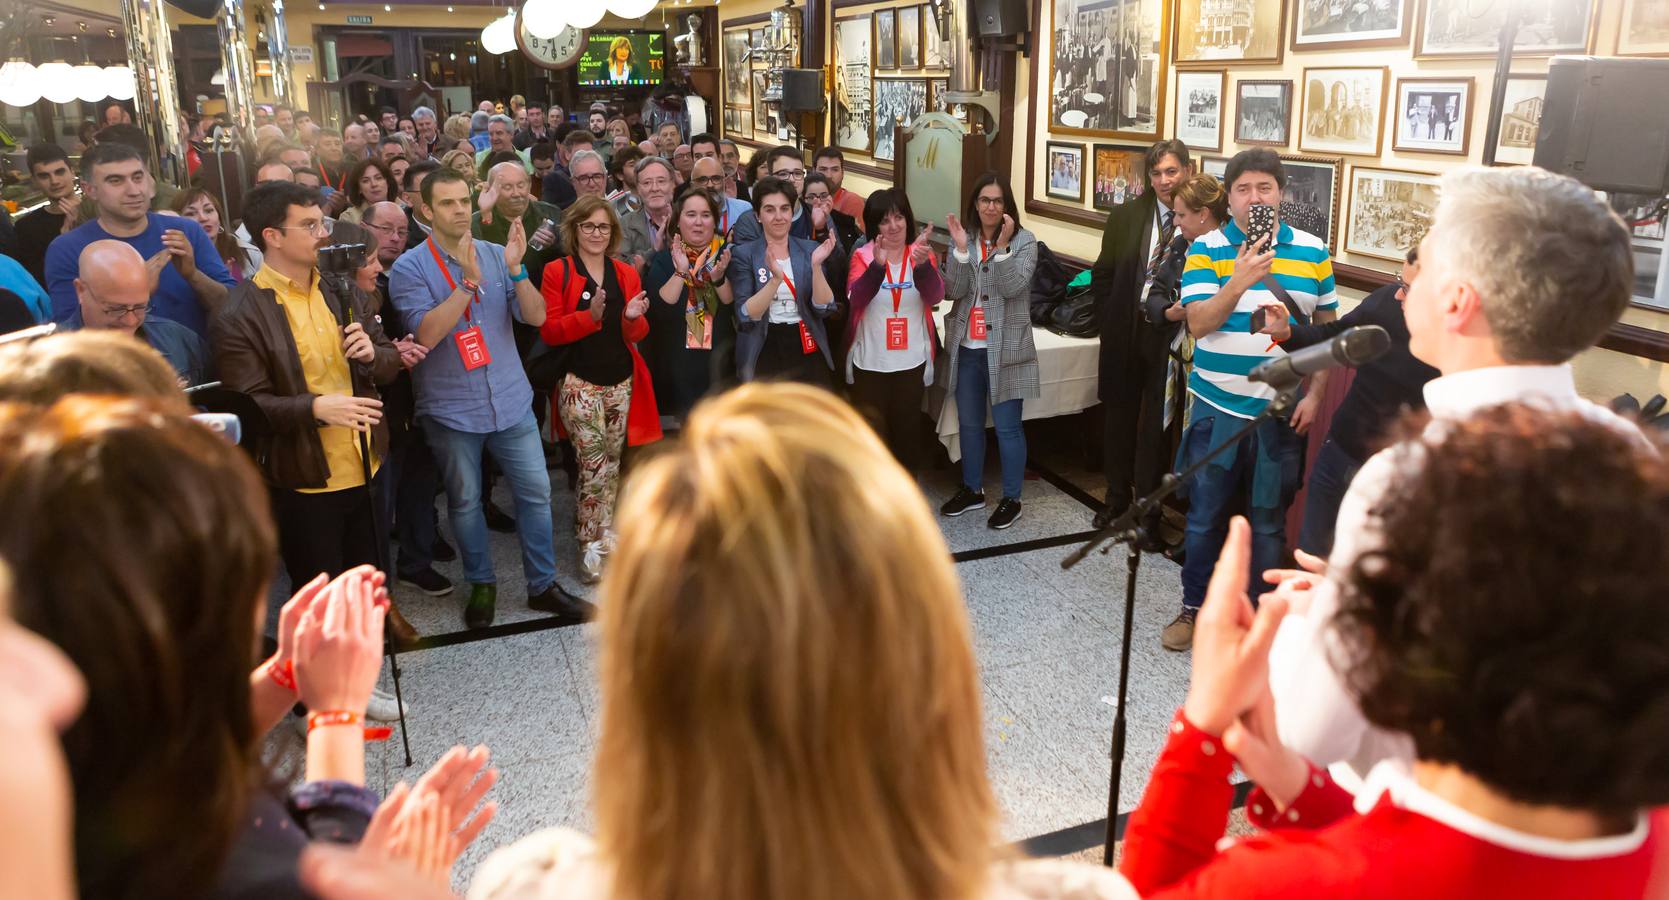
1225 280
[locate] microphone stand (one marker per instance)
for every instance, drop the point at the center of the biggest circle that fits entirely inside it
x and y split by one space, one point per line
340 287
1127 530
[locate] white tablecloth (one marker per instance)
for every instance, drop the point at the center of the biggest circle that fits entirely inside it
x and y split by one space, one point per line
1068 369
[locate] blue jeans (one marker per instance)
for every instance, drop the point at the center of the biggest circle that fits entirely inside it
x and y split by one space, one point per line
1263 470
1329 480
973 398
520 457
407 482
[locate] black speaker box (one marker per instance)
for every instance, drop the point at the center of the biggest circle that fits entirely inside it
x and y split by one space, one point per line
1600 125
1000 18
202 9
802 90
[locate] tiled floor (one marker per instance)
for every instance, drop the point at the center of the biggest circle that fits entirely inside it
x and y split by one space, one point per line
1047 641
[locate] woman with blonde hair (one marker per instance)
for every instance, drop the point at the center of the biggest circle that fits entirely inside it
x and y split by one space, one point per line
463 162
456 127
791 706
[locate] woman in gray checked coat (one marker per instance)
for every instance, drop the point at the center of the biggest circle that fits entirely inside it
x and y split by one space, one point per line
989 361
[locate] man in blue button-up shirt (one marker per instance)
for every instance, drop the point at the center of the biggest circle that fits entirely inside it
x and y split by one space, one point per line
472 393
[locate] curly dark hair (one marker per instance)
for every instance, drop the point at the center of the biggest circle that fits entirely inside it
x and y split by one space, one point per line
355 195
1512 619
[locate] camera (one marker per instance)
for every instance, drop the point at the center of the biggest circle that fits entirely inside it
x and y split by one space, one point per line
342 259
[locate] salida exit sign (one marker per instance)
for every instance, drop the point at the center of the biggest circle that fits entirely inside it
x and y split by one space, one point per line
359 20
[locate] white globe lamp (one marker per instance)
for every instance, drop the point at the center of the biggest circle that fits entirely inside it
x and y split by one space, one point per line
19 83
119 82
57 81
544 18
90 83
632 9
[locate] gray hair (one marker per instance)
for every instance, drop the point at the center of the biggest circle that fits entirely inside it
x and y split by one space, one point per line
478 121
502 119
648 161
1549 259
584 155
422 112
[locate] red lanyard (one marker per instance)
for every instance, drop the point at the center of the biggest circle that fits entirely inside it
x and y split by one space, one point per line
904 269
342 185
447 274
984 250
789 280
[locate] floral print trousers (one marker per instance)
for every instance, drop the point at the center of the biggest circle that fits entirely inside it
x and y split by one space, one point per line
596 421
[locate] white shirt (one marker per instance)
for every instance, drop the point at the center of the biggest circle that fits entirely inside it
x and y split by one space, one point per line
1315 713
869 345
783 310
966 256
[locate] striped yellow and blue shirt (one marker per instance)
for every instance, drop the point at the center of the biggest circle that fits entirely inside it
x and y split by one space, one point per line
1223 358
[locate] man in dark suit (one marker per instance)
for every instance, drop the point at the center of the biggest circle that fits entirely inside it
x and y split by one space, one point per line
1133 351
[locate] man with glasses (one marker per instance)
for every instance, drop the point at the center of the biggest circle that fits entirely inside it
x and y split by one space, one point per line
192 280
682 161
558 187
831 164
473 396
589 174
114 293
787 164
281 340
708 175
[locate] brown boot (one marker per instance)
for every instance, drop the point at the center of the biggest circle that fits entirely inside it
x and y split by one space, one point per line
401 632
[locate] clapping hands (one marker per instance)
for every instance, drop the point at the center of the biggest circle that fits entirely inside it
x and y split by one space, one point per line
338 642
922 249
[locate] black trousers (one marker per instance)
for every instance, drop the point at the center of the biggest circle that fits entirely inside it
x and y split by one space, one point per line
328 532
891 403
1133 401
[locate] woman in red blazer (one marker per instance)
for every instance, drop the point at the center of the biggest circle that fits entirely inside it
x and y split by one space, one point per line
594 307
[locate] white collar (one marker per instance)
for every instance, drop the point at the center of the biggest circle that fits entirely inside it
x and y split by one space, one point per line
1459 395
1161 207
1392 779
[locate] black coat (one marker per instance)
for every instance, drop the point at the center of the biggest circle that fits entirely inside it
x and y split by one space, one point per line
1119 272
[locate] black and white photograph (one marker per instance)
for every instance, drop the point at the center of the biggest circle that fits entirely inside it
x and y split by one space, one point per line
1390 211
1228 31
852 100
1433 115
1119 175
1065 172
909 37
1643 29
886 39
1521 117
1310 201
1199 109
935 49
1343 109
898 101
1471 28
1647 242
1348 24
1215 166
761 113
735 68
937 88
1263 113
1107 74
756 38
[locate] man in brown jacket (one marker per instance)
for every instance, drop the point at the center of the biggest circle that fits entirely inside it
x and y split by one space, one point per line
281 339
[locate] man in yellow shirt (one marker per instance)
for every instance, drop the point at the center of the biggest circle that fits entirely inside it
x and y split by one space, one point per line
281 339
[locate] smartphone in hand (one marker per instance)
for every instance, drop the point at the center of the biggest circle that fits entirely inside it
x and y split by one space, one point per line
1260 317
1260 221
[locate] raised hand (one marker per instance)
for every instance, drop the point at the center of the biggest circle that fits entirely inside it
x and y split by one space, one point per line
1252 263
339 646
515 246
637 306
1006 233
599 305
680 257
958 234
467 260
488 200
71 208
722 264
356 344
289 619
1257 748
180 252
1231 642
819 217
823 250
428 825
922 250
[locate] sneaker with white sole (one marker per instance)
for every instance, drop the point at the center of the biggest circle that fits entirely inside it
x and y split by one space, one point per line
966 498
383 707
1006 514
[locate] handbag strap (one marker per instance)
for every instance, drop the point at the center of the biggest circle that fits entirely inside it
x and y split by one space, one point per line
1286 298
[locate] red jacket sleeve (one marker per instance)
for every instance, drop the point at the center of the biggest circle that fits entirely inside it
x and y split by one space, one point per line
1321 804
1183 813
634 329
564 324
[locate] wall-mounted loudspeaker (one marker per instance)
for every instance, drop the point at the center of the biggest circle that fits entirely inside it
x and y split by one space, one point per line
1000 18
1595 128
802 90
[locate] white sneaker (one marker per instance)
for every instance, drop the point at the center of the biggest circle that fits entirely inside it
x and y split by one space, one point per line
383 707
591 562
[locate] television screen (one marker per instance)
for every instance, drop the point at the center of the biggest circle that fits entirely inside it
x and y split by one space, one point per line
623 57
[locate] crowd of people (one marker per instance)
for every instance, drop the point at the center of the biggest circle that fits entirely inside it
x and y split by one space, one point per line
409 318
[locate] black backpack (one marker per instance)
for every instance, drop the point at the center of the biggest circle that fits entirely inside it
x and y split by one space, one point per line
1049 280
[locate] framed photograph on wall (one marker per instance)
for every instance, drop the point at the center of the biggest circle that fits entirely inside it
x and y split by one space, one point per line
760 111
1310 201
935 49
756 38
1343 109
1390 211
886 39
1643 28
937 88
1215 166
1118 175
1326 25
744 121
853 111
1065 171
1229 31
1107 69
1470 28
1433 115
1521 117
898 101
1199 108
1263 113
909 37
735 70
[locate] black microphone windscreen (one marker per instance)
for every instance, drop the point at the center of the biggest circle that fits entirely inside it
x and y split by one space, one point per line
1361 344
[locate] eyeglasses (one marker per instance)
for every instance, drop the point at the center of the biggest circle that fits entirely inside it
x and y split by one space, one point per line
588 179
117 312
595 228
396 230
709 180
818 198
989 201
321 228
792 174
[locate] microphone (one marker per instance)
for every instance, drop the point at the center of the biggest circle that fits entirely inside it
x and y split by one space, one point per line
1351 347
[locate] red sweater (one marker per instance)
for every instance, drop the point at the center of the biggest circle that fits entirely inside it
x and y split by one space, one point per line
566 323
1324 850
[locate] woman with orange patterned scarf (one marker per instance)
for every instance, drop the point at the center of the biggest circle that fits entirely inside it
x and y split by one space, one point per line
694 320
